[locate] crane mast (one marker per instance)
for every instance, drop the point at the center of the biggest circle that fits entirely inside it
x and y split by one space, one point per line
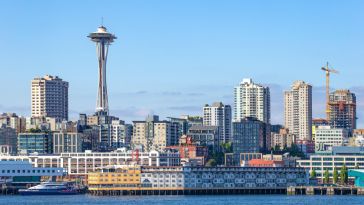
328 71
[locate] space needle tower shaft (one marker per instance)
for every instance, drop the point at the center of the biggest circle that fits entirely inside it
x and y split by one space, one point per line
102 39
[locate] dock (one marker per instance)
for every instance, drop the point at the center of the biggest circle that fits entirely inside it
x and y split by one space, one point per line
221 191
291 191
325 190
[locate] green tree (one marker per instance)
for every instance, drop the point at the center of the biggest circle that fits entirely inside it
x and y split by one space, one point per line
313 174
344 175
211 163
326 176
227 147
357 166
335 176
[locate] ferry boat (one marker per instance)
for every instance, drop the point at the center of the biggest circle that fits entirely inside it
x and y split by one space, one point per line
50 188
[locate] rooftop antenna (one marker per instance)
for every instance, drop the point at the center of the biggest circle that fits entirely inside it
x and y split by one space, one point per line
102 21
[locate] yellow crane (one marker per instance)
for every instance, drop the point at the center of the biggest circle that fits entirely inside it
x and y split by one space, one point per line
328 71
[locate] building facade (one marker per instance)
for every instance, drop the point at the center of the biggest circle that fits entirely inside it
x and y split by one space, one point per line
22 172
35 143
67 142
13 121
351 158
327 137
298 110
49 97
219 114
82 163
250 136
121 134
198 178
251 100
153 134
208 136
8 137
283 139
342 107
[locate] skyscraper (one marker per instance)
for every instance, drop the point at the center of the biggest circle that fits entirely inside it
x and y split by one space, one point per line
219 115
49 97
251 100
298 110
103 39
342 110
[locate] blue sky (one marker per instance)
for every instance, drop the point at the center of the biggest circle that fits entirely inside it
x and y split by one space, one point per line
172 57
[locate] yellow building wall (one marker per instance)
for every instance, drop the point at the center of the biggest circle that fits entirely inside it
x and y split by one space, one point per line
125 177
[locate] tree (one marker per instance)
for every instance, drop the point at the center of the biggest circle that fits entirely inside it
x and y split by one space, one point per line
357 166
277 148
313 174
227 147
344 175
211 163
335 176
326 176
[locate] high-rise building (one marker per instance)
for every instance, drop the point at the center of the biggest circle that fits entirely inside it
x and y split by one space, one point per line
219 115
298 110
250 136
102 39
251 100
342 110
49 97
153 134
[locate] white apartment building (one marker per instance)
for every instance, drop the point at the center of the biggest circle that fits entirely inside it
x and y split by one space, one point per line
219 115
251 100
298 110
49 97
327 137
121 133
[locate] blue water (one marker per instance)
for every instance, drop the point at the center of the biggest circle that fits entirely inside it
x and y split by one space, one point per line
184 200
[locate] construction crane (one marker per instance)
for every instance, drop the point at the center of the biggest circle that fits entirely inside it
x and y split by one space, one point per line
328 71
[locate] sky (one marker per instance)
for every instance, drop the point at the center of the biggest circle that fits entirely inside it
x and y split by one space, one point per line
173 57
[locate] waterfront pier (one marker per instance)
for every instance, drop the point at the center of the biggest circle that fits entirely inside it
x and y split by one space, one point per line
301 190
325 190
221 191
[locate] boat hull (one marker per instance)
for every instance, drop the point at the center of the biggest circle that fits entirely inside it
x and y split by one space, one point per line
41 192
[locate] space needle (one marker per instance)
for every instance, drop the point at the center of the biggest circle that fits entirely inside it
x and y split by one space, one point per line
103 39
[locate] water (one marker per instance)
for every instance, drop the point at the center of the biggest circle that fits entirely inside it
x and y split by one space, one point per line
183 200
